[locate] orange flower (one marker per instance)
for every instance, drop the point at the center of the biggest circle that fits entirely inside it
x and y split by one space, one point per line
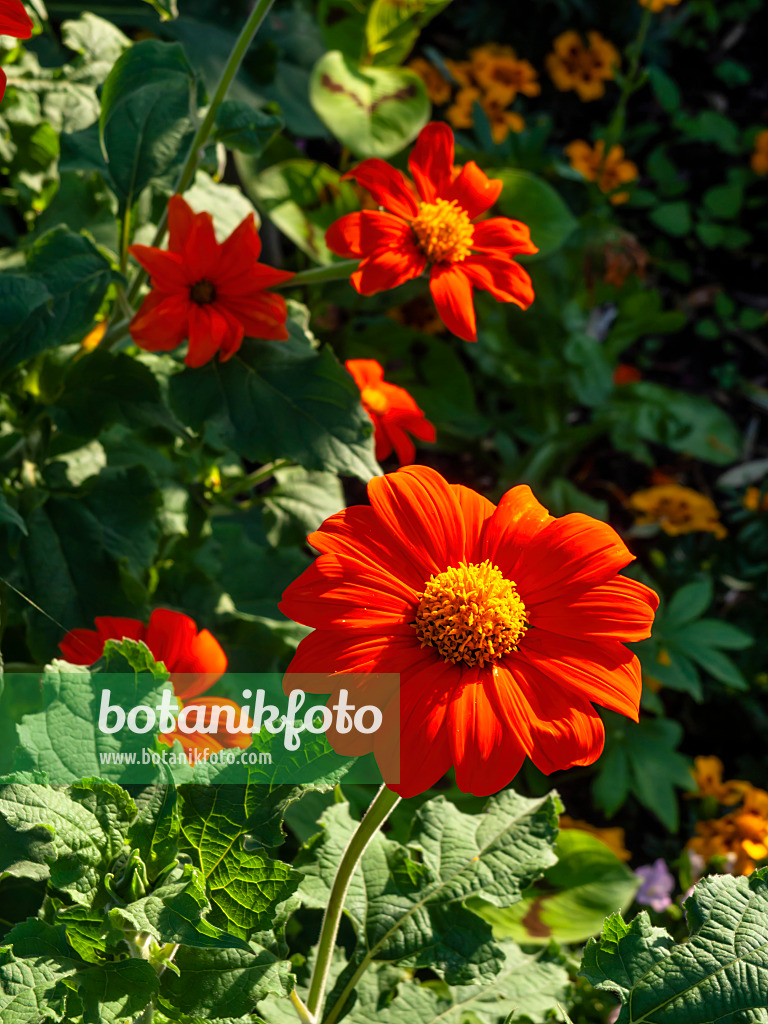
658 5
502 75
435 230
740 837
194 659
614 838
14 21
755 500
461 113
759 159
585 69
625 374
501 121
608 171
210 293
504 623
708 776
438 89
677 510
392 411
461 71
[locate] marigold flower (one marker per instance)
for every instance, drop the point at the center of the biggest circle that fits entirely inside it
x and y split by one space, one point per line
213 294
677 510
392 410
499 71
614 838
461 113
438 88
755 500
608 171
585 69
740 837
14 21
708 775
461 71
504 623
194 659
435 228
759 159
658 5
502 121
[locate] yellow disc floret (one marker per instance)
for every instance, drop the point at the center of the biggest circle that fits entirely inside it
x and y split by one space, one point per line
374 399
471 613
444 231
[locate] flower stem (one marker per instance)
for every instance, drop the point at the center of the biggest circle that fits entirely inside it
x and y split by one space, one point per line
244 40
319 275
632 82
244 483
375 817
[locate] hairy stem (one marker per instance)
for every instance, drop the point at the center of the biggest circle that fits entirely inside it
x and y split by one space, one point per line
319 275
244 40
375 817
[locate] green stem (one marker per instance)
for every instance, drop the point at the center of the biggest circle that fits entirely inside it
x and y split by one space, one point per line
375 817
631 82
319 275
256 477
244 40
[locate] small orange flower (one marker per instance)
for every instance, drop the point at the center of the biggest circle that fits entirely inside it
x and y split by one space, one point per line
504 623
213 294
740 837
499 71
759 159
708 776
755 500
392 410
585 69
658 5
609 171
461 71
677 510
614 838
625 374
461 113
502 121
14 21
438 89
194 659
432 224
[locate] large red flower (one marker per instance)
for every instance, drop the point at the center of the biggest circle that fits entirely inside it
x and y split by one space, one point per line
210 293
194 659
431 223
392 410
14 21
504 623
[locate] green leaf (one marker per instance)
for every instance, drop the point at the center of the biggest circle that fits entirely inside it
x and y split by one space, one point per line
156 828
393 26
406 902
280 400
714 633
372 111
167 9
9 515
720 972
76 832
94 38
31 991
299 503
724 201
641 758
688 603
243 127
528 198
66 284
64 739
665 89
222 982
302 198
342 25
571 902
674 218
147 109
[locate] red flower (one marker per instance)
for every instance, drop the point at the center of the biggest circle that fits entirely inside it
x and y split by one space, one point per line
431 224
212 294
194 659
392 410
504 623
14 21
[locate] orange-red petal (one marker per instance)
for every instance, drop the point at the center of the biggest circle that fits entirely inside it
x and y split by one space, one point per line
452 293
431 160
387 186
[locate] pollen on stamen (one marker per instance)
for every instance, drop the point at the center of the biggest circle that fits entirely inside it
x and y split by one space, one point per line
471 613
444 231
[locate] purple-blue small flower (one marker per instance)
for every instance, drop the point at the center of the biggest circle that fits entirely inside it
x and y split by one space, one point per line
657 885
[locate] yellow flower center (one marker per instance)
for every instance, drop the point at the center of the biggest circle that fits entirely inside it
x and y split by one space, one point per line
471 613
444 231
374 400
